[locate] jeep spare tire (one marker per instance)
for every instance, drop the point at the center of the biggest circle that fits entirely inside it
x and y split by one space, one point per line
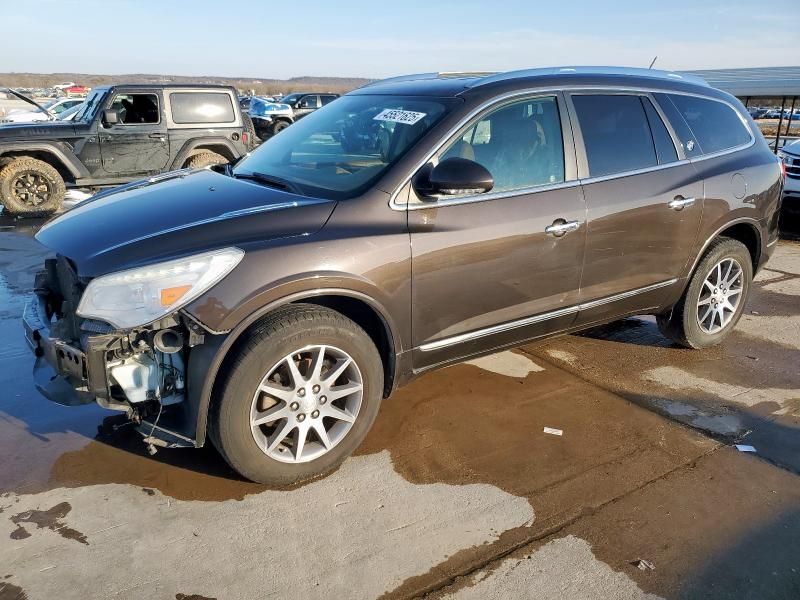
31 188
205 159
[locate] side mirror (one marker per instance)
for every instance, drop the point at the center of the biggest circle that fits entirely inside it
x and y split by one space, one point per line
456 176
110 116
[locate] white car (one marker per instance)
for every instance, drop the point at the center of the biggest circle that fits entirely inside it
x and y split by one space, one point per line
56 107
790 155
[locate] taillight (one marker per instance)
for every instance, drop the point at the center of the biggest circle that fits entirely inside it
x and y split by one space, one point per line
245 139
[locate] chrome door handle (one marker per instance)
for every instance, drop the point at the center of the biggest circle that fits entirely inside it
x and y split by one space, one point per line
560 227
680 203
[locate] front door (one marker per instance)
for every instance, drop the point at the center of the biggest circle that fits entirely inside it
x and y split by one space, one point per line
644 203
495 269
138 144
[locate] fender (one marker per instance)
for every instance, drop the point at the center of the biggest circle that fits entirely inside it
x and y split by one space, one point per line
206 360
193 144
61 151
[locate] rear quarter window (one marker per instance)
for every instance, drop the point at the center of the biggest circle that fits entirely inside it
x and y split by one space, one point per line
201 107
716 126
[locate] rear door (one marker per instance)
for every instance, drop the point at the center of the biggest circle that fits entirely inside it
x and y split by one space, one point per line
489 270
138 144
644 201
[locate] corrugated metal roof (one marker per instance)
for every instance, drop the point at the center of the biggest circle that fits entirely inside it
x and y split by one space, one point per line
771 82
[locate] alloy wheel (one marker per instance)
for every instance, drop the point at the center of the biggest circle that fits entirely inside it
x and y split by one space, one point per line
31 188
720 295
306 404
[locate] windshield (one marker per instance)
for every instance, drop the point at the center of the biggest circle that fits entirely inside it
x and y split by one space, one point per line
339 150
89 107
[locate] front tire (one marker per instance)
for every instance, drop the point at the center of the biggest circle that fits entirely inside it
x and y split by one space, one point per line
302 392
714 300
279 126
31 188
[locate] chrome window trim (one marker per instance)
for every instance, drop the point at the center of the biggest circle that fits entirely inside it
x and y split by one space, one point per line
479 333
577 140
454 201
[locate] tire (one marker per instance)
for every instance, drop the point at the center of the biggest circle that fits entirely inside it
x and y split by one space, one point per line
683 324
205 159
279 126
250 129
281 337
31 188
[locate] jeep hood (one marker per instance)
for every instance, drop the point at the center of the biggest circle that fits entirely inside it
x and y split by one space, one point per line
175 215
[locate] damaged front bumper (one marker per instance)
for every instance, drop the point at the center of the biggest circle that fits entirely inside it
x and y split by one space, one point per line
73 374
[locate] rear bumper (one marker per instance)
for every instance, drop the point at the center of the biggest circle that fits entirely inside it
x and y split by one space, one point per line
60 372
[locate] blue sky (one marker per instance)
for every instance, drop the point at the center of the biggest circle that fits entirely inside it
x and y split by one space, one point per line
286 38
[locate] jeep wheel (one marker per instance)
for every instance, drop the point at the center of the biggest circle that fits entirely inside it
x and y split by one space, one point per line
31 188
279 126
714 300
301 395
205 159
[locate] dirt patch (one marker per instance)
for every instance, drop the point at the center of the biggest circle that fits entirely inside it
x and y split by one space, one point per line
192 597
49 519
9 591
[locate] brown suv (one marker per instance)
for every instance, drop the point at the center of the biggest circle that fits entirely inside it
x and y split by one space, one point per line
271 305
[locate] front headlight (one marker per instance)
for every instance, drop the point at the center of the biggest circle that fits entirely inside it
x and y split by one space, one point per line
140 296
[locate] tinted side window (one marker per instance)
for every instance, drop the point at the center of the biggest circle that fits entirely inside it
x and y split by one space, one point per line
201 107
686 138
665 148
715 124
327 99
520 144
615 132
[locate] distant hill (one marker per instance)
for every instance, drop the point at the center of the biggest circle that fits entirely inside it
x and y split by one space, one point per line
260 85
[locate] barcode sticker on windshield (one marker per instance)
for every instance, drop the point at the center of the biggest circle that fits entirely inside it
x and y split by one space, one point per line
407 117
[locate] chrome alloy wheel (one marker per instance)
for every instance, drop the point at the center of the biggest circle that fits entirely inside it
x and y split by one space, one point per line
720 295
306 404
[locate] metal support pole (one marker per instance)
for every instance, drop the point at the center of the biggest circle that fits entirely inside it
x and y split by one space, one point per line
780 124
746 101
791 115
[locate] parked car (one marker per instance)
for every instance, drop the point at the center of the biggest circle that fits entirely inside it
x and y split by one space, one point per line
790 155
304 103
47 112
270 306
121 134
270 117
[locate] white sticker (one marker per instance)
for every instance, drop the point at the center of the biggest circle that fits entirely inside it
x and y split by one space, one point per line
406 117
553 431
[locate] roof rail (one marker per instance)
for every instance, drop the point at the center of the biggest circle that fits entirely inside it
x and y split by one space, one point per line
631 71
399 78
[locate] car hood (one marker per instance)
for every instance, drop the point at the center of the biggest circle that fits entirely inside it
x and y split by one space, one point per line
36 130
178 214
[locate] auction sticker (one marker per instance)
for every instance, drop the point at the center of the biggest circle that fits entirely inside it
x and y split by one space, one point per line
407 117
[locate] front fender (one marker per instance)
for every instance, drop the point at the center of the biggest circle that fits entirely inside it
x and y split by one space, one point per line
60 151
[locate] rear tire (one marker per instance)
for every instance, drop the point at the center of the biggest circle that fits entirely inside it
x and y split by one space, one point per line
205 159
31 188
714 300
262 386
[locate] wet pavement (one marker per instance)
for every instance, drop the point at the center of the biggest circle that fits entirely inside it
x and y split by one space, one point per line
457 491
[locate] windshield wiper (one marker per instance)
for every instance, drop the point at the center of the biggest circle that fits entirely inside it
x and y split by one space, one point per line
270 180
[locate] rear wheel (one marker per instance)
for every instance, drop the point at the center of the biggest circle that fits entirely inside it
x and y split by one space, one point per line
714 300
31 187
302 393
205 159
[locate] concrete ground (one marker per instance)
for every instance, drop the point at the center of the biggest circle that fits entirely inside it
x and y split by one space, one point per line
456 493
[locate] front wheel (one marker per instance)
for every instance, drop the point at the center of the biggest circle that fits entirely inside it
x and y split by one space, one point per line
30 187
279 126
714 300
302 393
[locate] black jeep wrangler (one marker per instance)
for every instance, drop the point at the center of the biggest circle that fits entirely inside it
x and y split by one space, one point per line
122 133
